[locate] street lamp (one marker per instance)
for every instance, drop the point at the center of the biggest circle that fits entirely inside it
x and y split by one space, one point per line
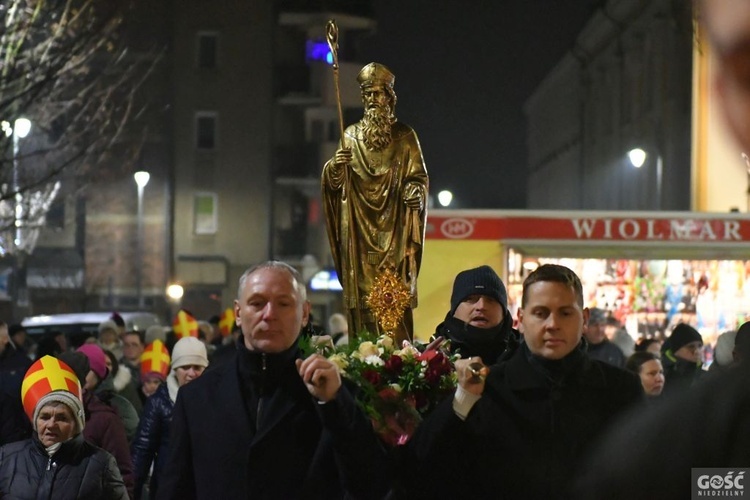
175 292
444 198
637 158
21 128
141 179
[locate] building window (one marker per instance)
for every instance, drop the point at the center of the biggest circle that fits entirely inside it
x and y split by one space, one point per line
205 130
205 212
55 218
208 46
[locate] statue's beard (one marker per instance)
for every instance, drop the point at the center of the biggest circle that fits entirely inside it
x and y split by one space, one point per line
376 127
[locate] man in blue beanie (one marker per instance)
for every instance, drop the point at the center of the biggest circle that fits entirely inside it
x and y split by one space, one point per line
479 323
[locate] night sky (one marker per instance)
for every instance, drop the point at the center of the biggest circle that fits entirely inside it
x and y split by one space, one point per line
463 71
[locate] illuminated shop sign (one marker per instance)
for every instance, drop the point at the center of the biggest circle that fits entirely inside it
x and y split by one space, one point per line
590 228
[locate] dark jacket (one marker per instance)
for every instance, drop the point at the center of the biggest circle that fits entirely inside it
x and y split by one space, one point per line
707 426
105 430
124 408
13 366
607 352
679 374
526 435
14 424
490 344
250 429
152 439
77 471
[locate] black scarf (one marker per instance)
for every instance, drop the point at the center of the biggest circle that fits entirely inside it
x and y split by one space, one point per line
487 343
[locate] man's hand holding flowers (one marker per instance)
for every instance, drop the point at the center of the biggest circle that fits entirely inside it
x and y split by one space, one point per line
321 376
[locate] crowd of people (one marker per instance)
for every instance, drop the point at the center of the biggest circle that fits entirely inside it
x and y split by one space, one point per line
127 385
179 426
551 408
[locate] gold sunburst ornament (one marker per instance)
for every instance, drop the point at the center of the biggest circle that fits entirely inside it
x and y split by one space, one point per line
387 300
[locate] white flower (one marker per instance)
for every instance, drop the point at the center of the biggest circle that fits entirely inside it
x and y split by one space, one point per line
368 349
374 360
386 342
408 351
396 387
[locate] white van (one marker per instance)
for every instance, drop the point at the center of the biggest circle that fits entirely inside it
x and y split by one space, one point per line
79 326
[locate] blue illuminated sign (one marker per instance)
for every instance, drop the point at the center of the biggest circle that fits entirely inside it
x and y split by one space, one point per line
318 50
325 279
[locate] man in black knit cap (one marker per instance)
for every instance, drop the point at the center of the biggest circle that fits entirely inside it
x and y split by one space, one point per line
479 323
682 358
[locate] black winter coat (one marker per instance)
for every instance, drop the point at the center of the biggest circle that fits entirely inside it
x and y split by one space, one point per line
251 429
679 374
78 471
656 450
13 366
607 352
14 424
525 437
151 442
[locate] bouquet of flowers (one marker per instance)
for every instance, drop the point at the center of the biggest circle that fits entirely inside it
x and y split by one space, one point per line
397 387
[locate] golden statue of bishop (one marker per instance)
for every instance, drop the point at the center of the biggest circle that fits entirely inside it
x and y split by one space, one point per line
375 200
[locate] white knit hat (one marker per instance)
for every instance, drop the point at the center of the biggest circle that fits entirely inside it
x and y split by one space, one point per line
69 400
107 324
724 347
189 351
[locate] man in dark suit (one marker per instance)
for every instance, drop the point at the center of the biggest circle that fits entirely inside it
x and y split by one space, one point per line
268 424
521 431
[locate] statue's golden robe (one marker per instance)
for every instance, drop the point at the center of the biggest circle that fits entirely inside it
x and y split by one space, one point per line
370 228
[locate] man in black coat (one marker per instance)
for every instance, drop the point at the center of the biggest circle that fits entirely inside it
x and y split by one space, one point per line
13 364
519 428
268 424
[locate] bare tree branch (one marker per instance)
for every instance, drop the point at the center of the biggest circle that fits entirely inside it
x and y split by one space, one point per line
64 66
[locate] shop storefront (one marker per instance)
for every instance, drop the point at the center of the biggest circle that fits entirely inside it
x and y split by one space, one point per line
648 270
